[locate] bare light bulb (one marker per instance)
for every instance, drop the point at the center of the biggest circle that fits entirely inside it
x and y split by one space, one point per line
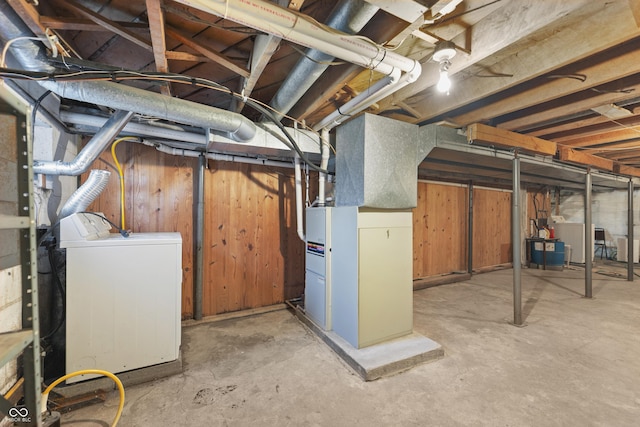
444 84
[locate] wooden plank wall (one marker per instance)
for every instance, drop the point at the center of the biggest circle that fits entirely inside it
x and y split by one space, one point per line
250 228
159 195
253 256
491 227
440 229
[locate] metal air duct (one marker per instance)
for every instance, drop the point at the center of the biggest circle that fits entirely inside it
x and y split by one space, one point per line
31 55
90 152
348 16
300 29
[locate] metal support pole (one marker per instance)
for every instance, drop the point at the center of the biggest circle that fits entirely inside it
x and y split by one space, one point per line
197 290
588 240
630 255
515 242
470 231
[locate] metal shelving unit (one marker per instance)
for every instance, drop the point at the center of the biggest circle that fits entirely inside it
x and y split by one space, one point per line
25 342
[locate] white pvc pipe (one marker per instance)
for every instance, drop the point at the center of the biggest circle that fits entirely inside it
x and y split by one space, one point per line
301 29
220 157
299 210
322 178
381 89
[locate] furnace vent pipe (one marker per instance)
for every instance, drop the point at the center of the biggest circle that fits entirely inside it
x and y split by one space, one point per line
300 29
348 16
298 179
90 152
220 157
86 193
381 89
31 55
322 177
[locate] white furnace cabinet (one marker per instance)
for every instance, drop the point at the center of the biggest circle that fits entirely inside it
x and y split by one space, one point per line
123 298
372 275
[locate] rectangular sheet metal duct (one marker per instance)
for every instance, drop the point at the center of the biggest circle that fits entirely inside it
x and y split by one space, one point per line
376 163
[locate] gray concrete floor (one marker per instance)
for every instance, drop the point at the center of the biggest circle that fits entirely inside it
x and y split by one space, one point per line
576 363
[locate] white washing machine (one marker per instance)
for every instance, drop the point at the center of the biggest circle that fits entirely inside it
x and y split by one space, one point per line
123 296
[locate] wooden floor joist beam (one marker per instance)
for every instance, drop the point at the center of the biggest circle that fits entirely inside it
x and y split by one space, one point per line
626 170
574 156
478 132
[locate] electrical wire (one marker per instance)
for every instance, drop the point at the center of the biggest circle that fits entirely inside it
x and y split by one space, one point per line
34 110
122 231
125 75
61 291
5 49
45 393
121 175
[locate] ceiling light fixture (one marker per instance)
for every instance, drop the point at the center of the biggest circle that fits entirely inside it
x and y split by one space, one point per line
445 50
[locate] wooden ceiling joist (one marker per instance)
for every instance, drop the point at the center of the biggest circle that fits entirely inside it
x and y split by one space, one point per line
31 17
626 170
158 40
478 132
83 24
108 24
209 53
628 85
537 15
621 134
568 154
626 63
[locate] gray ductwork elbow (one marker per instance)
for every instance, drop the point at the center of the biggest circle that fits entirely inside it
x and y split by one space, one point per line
90 152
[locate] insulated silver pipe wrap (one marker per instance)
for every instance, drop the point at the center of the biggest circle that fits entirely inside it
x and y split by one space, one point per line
86 193
31 55
90 152
153 104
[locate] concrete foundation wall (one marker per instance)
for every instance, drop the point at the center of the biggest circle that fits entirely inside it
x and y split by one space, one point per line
10 318
609 211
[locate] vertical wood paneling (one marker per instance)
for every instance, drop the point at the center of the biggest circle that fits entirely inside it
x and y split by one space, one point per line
440 229
252 254
491 227
250 231
159 193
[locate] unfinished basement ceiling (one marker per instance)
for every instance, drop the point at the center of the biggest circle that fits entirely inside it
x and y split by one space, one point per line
563 71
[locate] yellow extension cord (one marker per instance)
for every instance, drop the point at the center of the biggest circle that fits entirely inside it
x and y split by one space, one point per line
45 394
121 175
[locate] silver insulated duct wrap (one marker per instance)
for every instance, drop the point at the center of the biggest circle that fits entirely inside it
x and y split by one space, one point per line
87 193
90 152
376 163
31 56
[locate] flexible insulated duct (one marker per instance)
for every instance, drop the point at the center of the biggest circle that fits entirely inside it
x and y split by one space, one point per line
86 193
31 55
90 152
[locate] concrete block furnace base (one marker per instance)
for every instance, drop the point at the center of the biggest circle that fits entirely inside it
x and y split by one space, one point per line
379 360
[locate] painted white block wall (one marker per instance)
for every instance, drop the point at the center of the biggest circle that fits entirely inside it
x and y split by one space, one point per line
51 192
608 211
10 317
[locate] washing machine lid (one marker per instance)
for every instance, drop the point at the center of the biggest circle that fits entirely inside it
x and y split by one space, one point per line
134 239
